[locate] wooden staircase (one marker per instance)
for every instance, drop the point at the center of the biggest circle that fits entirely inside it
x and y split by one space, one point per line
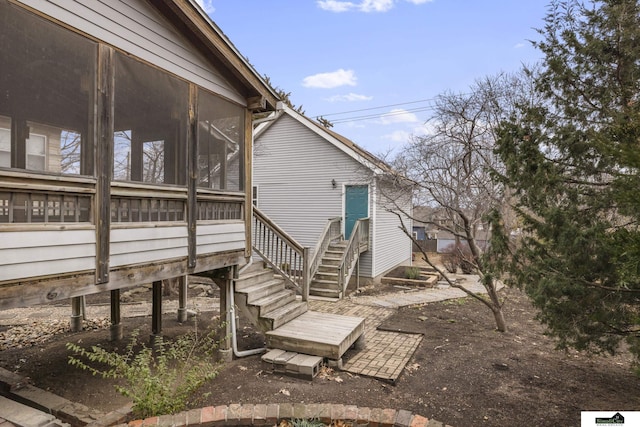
325 282
264 298
286 320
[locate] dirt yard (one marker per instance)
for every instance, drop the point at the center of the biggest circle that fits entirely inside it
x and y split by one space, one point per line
463 373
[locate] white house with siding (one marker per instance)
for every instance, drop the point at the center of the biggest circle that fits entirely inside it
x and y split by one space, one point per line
306 174
125 159
125 147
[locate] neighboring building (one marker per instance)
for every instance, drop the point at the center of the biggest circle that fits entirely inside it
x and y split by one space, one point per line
125 146
431 230
305 175
446 240
425 234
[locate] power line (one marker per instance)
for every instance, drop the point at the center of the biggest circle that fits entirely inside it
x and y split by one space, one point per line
380 115
377 108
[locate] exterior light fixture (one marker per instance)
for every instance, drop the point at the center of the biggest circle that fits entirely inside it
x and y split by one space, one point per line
334 184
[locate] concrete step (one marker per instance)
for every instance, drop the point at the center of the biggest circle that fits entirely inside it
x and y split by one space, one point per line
282 315
291 363
272 302
24 416
261 290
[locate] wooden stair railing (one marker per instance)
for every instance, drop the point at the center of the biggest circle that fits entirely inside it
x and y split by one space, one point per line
293 262
331 232
357 244
282 252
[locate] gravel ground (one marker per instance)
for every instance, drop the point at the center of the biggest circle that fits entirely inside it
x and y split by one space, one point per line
26 327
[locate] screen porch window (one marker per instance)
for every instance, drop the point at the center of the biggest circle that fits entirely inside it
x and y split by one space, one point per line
36 152
47 85
150 135
5 143
220 143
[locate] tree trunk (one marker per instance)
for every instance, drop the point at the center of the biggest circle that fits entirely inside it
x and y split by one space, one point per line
496 307
501 326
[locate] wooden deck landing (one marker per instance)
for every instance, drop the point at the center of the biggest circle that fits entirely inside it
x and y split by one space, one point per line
318 334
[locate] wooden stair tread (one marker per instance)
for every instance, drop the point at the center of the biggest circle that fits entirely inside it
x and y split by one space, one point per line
318 334
274 314
284 293
260 286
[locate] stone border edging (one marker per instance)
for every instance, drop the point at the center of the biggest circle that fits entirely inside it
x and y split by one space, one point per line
271 414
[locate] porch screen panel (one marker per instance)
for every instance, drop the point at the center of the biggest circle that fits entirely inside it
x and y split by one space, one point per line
150 132
220 143
47 86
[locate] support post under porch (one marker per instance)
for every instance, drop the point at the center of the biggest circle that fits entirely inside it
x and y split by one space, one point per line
77 313
156 310
116 328
182 298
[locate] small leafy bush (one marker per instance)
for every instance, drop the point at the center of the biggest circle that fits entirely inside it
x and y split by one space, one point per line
412 273
302 422
159 380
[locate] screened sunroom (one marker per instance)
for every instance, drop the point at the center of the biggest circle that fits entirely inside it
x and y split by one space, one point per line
125 141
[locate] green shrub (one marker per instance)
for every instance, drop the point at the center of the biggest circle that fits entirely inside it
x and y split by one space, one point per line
304 422
412 273
159 380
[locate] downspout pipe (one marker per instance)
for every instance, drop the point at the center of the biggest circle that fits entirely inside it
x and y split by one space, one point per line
232 314
230 287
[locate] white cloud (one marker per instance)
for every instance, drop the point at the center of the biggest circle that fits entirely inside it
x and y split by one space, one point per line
363 6
423 129
207 6
335 6
398 115
330 80
519 45
375 5
350 97
397 136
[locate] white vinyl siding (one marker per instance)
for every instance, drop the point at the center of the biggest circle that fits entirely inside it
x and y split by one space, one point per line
25 254
294 168
147 244
392 245
214 238
137 28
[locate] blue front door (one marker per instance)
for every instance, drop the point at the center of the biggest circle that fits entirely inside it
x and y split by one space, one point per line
356 206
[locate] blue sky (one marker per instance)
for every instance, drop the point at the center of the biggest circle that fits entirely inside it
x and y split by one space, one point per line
338 56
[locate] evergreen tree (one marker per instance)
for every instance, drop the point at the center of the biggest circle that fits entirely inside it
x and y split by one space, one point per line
573 162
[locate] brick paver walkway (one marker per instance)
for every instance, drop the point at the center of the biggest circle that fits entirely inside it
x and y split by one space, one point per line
386 353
